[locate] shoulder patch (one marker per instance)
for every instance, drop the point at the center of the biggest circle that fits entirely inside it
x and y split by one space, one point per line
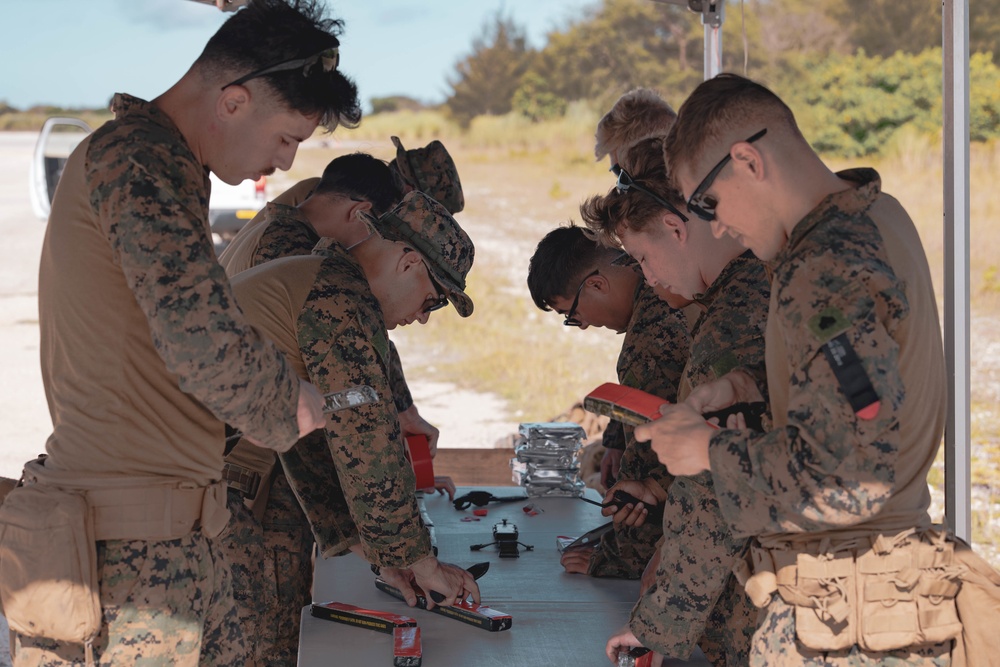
828 324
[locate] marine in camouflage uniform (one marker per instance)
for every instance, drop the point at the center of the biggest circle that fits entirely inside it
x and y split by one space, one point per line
696 598
853 269
283 540
142 354
652 358
367 498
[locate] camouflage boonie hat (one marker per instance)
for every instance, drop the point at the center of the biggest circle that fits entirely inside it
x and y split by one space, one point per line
430 169
448 251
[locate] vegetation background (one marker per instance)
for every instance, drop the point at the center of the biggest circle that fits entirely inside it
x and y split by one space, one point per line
863 77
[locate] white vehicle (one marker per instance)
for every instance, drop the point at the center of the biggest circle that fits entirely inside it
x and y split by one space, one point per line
229 208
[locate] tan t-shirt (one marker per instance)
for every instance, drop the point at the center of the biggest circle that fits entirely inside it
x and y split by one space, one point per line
143 348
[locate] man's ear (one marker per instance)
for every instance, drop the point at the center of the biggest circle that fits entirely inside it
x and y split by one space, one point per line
747 158
231 102
600 283
410 260
358 209
674 226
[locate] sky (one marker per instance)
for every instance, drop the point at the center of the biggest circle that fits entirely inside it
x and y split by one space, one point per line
78 53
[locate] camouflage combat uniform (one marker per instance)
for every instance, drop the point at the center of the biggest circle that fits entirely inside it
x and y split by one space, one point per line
831 477
143 352
653 355
340 341
271 560
696 598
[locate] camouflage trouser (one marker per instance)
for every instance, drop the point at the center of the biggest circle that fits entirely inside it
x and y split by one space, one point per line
774 644
272 573
288 570
165 603
730 627
243 543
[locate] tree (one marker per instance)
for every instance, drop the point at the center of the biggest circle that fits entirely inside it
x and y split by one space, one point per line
488 77
620 45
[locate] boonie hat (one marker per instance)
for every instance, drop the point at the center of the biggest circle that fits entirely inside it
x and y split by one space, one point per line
430 169
448 252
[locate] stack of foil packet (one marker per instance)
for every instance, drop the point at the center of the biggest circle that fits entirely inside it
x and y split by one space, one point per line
546 461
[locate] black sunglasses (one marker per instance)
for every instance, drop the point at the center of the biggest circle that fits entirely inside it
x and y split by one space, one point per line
703 205
626 182
433 303
328 59
571 320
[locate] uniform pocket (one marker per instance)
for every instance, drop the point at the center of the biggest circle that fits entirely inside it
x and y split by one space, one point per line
823 598
48 565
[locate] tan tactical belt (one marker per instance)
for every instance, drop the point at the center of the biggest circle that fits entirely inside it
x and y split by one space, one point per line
881 593
156 513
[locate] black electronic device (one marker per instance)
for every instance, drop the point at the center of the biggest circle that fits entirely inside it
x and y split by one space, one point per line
505 537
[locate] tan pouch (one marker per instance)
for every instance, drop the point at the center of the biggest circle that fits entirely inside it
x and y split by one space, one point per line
823 597
978 603
48 565
908 594
253 460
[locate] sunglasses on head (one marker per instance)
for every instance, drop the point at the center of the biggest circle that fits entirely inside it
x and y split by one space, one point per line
626 182
703 205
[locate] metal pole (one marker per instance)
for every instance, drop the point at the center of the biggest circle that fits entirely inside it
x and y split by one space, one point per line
712 16
958 497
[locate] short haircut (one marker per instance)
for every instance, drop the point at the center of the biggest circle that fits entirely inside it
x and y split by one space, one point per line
363 177
604 215
269 32
561 260
717 108
638 114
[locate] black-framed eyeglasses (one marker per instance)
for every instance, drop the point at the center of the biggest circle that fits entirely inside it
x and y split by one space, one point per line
571 320
626 182
328 58
431 303
703 205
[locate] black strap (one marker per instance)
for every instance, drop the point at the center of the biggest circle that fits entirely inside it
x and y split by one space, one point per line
852 377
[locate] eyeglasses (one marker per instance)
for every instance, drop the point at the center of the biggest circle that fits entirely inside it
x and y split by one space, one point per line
329 58
571 320
431 303
626 182
703 205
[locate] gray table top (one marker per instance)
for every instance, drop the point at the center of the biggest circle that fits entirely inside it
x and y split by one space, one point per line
558 618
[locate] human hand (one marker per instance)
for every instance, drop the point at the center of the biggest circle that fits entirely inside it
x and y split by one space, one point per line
623 639
444 484
576 560
401 578
610 466
647 491
451 581
411 423
680 439
310 409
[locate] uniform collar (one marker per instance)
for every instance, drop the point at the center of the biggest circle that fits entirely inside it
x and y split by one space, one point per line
867 186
